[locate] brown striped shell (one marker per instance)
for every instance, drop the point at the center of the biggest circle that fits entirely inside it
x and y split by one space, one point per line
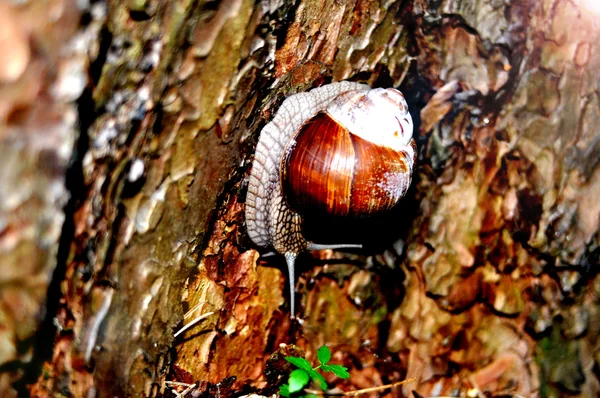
355 158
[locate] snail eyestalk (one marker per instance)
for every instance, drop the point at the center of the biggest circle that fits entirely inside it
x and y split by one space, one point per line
290 259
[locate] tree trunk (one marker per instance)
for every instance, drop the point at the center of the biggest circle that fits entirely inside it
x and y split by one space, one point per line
488 283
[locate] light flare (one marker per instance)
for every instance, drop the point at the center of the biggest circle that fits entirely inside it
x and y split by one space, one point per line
590 5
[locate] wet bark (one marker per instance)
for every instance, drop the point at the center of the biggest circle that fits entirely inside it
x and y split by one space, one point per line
144 116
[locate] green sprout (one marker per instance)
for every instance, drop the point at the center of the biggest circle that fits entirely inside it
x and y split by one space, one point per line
300 377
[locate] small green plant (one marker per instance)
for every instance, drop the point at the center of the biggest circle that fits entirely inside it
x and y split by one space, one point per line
300 377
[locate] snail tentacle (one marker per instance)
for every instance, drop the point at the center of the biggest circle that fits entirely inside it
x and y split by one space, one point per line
290 259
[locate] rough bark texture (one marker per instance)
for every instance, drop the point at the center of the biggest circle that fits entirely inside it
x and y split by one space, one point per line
488 285
43 64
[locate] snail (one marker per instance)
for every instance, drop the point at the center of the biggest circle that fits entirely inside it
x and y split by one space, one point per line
343 149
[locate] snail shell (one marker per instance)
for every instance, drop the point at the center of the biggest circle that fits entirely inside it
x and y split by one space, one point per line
342 148
355 158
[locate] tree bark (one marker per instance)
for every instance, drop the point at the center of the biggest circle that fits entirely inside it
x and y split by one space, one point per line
488 283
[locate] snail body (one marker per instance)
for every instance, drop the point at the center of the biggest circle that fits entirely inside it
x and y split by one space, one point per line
342 149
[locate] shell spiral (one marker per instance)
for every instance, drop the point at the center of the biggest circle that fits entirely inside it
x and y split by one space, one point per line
354 158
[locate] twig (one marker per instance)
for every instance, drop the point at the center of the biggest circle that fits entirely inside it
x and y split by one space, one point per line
178 383
193 322
189 387
194 308
184 392
362 391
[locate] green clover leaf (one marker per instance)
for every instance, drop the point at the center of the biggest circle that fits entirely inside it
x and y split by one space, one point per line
324 355
298 379
300 363
339 370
